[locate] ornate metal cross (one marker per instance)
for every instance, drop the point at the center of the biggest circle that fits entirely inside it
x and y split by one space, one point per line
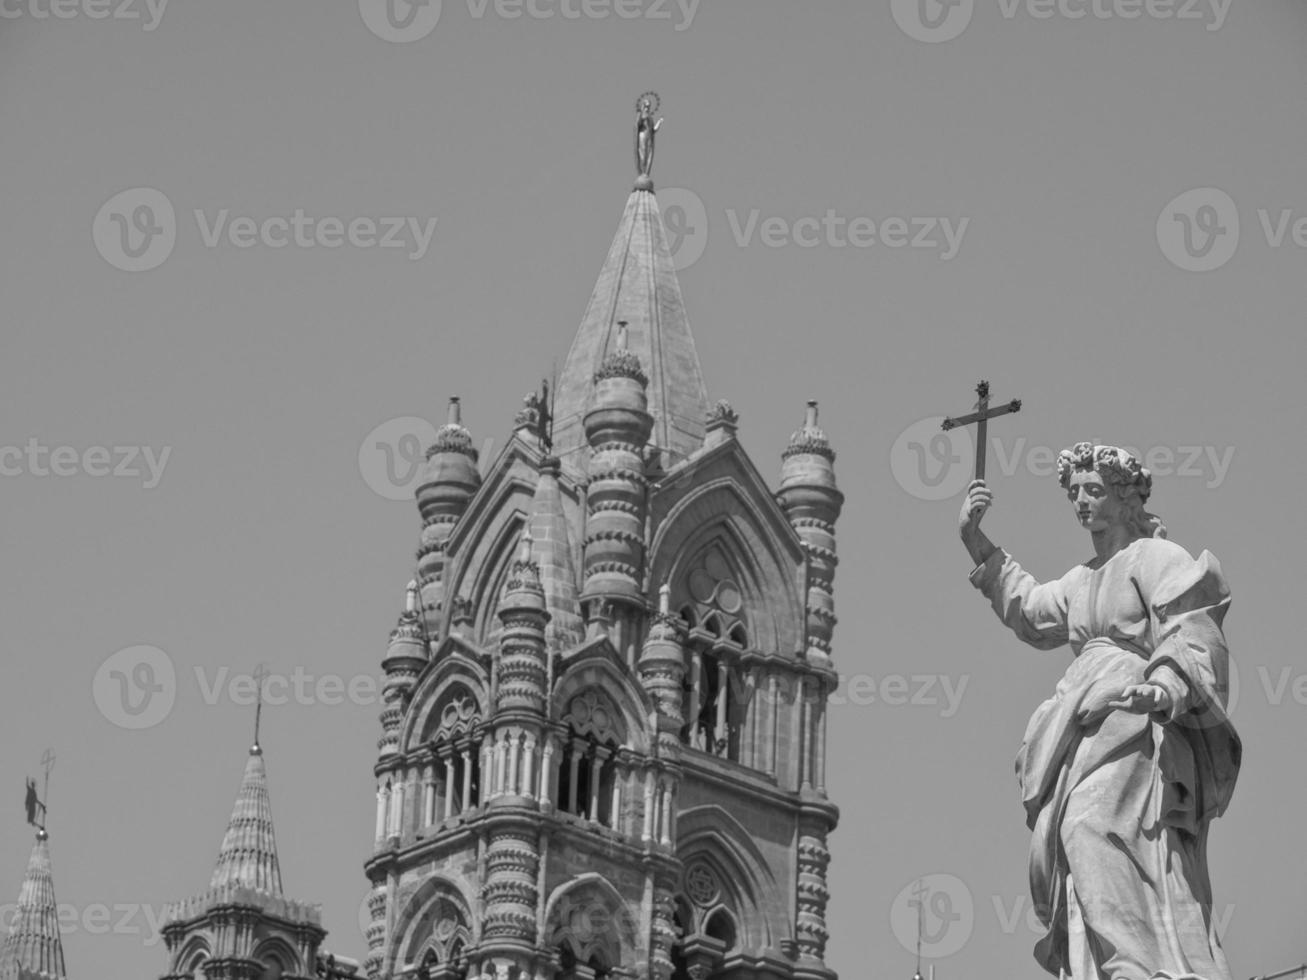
261 674
981 417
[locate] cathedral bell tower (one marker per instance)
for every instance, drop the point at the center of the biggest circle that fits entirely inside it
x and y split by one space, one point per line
603 738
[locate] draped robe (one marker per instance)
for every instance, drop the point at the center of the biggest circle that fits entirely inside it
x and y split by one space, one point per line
1120 803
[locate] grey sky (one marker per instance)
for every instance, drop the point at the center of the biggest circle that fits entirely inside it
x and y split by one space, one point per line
1058 141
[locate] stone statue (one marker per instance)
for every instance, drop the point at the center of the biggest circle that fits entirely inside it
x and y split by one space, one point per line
1124 767
645 128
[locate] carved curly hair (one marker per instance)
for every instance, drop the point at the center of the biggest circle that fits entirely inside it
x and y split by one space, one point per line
1121 471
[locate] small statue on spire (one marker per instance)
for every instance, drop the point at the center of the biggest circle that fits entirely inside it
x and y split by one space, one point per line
645 128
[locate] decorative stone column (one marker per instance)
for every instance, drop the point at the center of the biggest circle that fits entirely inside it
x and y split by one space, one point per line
617 429
510 890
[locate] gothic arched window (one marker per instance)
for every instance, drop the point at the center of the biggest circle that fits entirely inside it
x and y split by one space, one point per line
590 770
452 780
705 927
715 703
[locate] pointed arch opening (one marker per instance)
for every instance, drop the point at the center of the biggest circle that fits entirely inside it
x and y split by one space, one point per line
435 923
276 959
590 772
721 592
592 928
453 734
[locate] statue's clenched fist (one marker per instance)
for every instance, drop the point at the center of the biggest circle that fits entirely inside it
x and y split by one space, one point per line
979 499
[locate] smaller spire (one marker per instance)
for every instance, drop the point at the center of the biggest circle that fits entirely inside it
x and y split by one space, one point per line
33 947
248 855
454 416
664 599
551 550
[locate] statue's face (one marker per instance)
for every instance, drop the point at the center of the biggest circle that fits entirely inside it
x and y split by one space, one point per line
1097 507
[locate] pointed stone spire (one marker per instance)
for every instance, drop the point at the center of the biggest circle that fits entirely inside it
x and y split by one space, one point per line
248 856
243 915
33 948
552 548
637 284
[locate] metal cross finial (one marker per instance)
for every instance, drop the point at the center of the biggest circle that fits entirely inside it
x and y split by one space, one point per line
921 911
47 763
261 674
981 416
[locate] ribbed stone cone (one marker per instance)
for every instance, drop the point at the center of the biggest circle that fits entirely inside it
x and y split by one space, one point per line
248 855
33 947
637 284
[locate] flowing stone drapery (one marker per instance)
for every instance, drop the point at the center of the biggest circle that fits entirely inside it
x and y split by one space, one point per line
1120 803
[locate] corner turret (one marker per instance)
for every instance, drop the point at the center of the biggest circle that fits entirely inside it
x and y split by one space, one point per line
449 481
812 503
617 429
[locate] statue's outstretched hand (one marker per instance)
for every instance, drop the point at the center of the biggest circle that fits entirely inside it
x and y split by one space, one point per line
978 500
1143 699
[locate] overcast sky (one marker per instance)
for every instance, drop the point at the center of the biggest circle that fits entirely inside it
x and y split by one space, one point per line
890 211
